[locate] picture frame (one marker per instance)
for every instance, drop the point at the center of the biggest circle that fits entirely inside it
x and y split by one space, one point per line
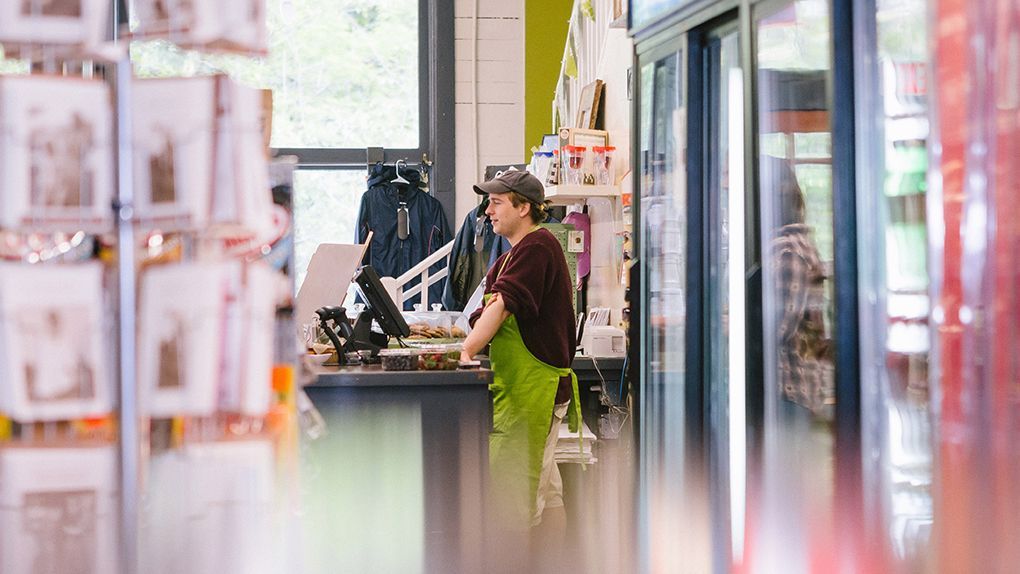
583 137
54 343
588 105
58 506
56 154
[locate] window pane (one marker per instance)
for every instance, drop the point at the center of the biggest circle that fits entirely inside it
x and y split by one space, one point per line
344 73
325 211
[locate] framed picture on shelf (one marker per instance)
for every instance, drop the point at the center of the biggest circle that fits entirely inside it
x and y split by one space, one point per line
58 507
588 105
619 9
53 343
583 137
56 154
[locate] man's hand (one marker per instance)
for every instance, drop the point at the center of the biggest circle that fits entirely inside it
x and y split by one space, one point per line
485 328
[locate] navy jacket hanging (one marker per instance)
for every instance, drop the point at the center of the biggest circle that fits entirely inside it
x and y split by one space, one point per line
427 227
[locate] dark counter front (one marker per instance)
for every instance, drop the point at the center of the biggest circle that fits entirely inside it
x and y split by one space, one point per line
420 439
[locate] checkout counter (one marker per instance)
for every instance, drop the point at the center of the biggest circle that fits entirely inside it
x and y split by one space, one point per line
443 415
424 435
446 416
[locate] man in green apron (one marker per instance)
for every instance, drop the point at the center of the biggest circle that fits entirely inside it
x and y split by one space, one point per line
528 322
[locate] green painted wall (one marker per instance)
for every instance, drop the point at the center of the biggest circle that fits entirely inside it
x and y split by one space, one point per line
545 34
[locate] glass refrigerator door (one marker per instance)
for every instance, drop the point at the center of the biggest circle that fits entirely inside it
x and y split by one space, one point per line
673 491
794 502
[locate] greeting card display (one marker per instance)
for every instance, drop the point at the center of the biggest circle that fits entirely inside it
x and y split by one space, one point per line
210 509
53 343
58 510
174 127
29 25
182 319
56 155
225 25
242 199
205 339
245 383
199 159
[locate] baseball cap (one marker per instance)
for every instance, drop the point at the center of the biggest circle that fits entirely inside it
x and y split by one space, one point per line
522 182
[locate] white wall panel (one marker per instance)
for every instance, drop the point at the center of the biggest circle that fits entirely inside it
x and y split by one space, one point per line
490 92
500 75
493 71
490 8
490 28
502 50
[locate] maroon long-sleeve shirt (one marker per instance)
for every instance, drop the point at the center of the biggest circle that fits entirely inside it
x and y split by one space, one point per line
536 289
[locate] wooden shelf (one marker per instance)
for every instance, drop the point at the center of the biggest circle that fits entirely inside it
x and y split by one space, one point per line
561 193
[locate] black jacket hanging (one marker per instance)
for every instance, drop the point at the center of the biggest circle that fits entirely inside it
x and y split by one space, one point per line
426 226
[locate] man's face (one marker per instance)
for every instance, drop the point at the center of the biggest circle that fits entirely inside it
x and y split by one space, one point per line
506 219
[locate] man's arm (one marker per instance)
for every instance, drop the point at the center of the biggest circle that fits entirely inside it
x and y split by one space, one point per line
485 328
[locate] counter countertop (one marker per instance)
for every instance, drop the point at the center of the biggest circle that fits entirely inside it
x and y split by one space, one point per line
375 376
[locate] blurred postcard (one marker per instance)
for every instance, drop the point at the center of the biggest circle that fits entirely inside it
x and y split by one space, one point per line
27 25
224 25
54 343
56 154
182 319
58 508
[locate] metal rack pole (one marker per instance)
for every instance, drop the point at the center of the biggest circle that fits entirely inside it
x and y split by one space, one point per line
130 448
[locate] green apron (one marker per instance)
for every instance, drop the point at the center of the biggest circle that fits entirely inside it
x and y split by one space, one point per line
524 392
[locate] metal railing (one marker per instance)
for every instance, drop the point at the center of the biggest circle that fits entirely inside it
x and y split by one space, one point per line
428 279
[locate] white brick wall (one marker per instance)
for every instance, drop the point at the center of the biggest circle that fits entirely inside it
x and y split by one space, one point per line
500 91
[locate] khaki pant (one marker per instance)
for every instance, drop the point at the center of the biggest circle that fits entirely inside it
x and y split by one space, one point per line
550 484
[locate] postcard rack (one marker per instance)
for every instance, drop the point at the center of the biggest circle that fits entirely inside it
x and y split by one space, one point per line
109 297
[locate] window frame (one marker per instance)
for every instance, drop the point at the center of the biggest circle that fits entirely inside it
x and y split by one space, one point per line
436 112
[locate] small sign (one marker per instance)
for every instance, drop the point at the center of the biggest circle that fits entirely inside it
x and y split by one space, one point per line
575 242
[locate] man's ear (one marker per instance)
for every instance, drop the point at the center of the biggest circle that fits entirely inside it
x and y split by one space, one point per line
524 209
